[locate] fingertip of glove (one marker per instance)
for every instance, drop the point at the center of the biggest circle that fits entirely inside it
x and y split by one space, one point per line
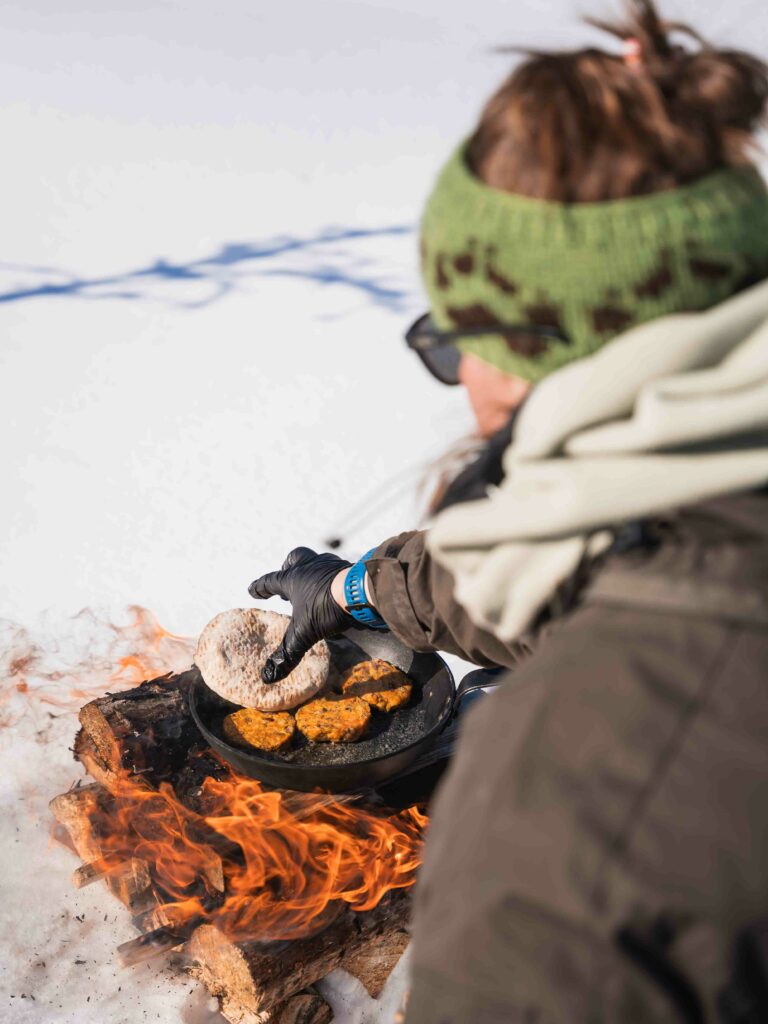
274 670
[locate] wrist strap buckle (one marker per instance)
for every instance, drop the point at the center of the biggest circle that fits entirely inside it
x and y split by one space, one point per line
356 599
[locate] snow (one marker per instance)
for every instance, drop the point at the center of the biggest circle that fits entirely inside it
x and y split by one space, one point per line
208 261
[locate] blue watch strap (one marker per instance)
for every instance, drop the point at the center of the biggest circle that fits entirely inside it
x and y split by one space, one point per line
355 597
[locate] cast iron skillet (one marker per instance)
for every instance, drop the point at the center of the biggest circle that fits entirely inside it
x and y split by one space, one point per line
396 741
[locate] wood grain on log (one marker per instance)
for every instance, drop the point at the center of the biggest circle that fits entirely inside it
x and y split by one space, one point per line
76 810
373 964
305 1008
86 753
259 975
146 730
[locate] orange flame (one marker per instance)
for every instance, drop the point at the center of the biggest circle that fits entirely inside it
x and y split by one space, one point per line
38 669
290 860
286 861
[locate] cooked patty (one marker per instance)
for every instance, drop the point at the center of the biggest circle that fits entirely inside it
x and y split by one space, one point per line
379 684
265 730
329 720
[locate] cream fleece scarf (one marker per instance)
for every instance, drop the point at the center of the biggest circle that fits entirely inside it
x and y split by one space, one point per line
673 412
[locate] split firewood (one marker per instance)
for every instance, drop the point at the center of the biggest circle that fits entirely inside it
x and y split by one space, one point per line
77 811
150 726
119 870
133 872
154 943
146 730
86 753
60 836
259 975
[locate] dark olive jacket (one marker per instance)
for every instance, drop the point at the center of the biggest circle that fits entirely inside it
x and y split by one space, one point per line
601 837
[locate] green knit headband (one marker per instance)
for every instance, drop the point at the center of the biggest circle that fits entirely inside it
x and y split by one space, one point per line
591 269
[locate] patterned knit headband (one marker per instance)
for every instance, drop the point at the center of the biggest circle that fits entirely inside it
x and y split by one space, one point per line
590 269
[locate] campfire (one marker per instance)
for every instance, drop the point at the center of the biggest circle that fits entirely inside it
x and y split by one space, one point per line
258 892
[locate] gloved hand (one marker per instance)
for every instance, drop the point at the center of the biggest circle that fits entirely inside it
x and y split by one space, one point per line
305 580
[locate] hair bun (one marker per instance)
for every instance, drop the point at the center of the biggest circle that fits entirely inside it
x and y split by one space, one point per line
727 87
589 125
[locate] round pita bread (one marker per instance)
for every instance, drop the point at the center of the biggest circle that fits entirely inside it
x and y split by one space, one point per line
231 653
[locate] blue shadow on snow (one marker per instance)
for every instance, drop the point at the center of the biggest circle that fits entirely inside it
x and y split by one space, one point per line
232 263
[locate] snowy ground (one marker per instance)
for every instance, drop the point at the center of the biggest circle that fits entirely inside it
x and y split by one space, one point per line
208 259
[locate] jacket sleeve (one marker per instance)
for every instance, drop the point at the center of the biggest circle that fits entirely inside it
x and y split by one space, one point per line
414 596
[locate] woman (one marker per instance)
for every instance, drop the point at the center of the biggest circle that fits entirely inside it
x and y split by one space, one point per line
600 842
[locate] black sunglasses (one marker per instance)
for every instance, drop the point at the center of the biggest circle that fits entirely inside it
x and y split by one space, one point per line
438 351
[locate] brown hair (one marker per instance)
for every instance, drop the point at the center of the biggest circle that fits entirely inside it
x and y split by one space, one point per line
588 125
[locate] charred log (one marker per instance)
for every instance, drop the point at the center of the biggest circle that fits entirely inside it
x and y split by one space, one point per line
145 731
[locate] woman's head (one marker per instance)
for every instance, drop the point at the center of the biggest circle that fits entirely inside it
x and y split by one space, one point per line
599 190
585 126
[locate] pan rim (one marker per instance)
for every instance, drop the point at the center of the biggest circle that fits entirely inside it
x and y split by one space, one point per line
291 766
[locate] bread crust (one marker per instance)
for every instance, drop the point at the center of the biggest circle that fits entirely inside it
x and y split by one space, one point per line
231 653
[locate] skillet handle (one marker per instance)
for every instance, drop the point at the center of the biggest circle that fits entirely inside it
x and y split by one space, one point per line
474 681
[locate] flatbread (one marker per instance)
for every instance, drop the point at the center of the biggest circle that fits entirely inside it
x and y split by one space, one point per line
233 649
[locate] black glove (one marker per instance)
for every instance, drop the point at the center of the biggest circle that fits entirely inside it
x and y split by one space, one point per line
304 580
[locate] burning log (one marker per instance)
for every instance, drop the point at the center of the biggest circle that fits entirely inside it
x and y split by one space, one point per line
116 738
187 880
189 783
259 975
197 830
146 730
155 943
60 836
77 811
133 873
